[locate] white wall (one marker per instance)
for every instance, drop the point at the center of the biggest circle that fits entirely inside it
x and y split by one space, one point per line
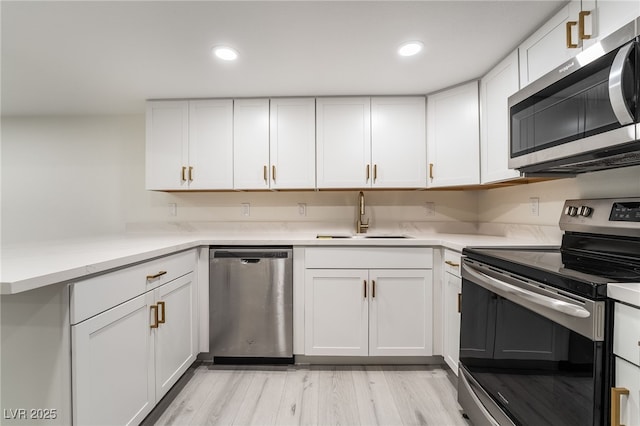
64 177
511 204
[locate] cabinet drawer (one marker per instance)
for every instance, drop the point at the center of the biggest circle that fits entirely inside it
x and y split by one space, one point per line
626 333
369 258
97 294
452 262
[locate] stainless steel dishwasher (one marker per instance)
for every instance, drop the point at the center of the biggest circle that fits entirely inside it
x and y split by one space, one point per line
251 304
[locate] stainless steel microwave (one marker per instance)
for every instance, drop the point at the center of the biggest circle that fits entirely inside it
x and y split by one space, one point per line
583 116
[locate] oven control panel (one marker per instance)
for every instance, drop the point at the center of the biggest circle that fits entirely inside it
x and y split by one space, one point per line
625 212
612 216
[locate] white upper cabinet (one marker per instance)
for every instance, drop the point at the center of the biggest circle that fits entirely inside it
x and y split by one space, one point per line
251 144
167 152
189 145
577 26
613 14
211 144
398 142
371 142
293 143
453 137
343 151
495 89
548 46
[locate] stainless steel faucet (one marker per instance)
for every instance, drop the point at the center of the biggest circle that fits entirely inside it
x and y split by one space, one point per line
360 226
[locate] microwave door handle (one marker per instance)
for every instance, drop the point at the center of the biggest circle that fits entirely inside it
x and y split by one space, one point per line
539 299
616 91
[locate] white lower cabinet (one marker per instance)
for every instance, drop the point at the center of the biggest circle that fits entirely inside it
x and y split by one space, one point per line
365 311
126 358
336 312
452 290
626 348
627 379
400 314
113 377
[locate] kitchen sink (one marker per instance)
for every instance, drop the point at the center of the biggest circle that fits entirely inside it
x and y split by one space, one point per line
361 236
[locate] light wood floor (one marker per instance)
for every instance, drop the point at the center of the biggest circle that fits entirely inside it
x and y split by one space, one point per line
316 395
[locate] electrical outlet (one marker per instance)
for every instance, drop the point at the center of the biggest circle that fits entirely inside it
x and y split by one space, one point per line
534 206
430 208
173 209
302 209
246 209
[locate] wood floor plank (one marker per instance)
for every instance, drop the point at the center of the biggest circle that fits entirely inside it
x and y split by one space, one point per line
375 401
190 399
424 396
337 404
224 401
299 403
262 397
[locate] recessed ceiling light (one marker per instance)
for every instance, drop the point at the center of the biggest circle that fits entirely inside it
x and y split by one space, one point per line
410 48
225 53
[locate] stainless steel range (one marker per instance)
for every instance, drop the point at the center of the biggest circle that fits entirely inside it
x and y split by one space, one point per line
536 324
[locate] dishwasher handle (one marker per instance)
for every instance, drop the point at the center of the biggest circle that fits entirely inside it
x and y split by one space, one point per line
252 256
249 261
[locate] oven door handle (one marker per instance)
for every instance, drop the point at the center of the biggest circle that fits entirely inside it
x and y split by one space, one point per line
539 299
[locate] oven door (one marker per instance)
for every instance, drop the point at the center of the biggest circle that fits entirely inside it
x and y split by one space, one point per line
528 352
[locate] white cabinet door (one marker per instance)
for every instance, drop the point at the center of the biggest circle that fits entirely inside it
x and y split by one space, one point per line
336 312
293 143
626 332
400 321
495 88
175 337
628 377
210 144
112 370
398 142
343 131
547 47
613 14
452 288
167 135
453 136
251 144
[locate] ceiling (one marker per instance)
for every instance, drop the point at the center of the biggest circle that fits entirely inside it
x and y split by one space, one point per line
108 57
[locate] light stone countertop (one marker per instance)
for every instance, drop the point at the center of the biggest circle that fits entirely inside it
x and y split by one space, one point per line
30 266
627 293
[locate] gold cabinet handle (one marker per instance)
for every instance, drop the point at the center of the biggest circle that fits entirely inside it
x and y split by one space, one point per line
365 288
190 174
570 43
264 173
273 173
154 308
431 171
616 393
375 172
184 170
459 302
581 32
450 263
367 173
373 290
164 312
158 275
